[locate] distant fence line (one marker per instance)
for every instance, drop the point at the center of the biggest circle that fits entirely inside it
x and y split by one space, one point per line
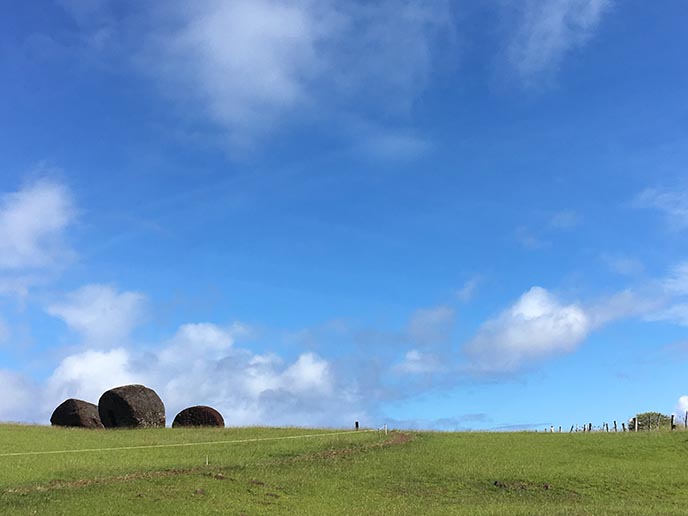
645 423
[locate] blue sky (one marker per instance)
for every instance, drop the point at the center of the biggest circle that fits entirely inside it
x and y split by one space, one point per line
437 214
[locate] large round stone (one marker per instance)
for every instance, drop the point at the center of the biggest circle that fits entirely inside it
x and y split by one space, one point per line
131 406
79 413
198 416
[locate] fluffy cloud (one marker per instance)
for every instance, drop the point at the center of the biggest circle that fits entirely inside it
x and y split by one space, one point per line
199 364
32 225
548 30
681 409
535 327
248 67
87 375
244 63
18 400
100 314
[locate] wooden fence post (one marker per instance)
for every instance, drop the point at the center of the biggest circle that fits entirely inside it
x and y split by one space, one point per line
356 425
615 427
673 426
589 427
635 423
623 426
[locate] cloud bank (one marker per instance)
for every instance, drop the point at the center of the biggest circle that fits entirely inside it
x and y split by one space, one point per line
200 364
248 68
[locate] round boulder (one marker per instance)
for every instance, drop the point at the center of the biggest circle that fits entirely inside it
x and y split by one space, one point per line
198 416
131 406
79 413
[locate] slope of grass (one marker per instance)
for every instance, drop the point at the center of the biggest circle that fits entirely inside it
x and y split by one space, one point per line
355 473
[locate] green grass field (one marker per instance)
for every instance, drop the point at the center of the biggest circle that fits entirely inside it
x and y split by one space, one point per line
356 473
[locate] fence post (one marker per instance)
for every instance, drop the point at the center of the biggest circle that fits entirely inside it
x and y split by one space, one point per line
635 424
673 426
589 427
623 426
356 425
615 427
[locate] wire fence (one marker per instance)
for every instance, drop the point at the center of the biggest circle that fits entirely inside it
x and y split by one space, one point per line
202 443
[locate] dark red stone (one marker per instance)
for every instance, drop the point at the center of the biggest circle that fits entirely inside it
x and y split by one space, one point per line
198 416
131 406
78 413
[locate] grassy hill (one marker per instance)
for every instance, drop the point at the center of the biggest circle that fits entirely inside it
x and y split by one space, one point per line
353 473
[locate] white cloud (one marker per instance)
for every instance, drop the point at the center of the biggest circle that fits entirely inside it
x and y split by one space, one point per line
18 400
548 29
681 408
309 374
535 327
672 202
243 62
32 225
247 68
87 375
100 314
201 340
200 364
431 325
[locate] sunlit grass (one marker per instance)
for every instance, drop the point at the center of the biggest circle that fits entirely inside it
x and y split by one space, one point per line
357 473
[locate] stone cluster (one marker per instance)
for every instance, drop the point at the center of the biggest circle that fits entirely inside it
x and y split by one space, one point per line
130 406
